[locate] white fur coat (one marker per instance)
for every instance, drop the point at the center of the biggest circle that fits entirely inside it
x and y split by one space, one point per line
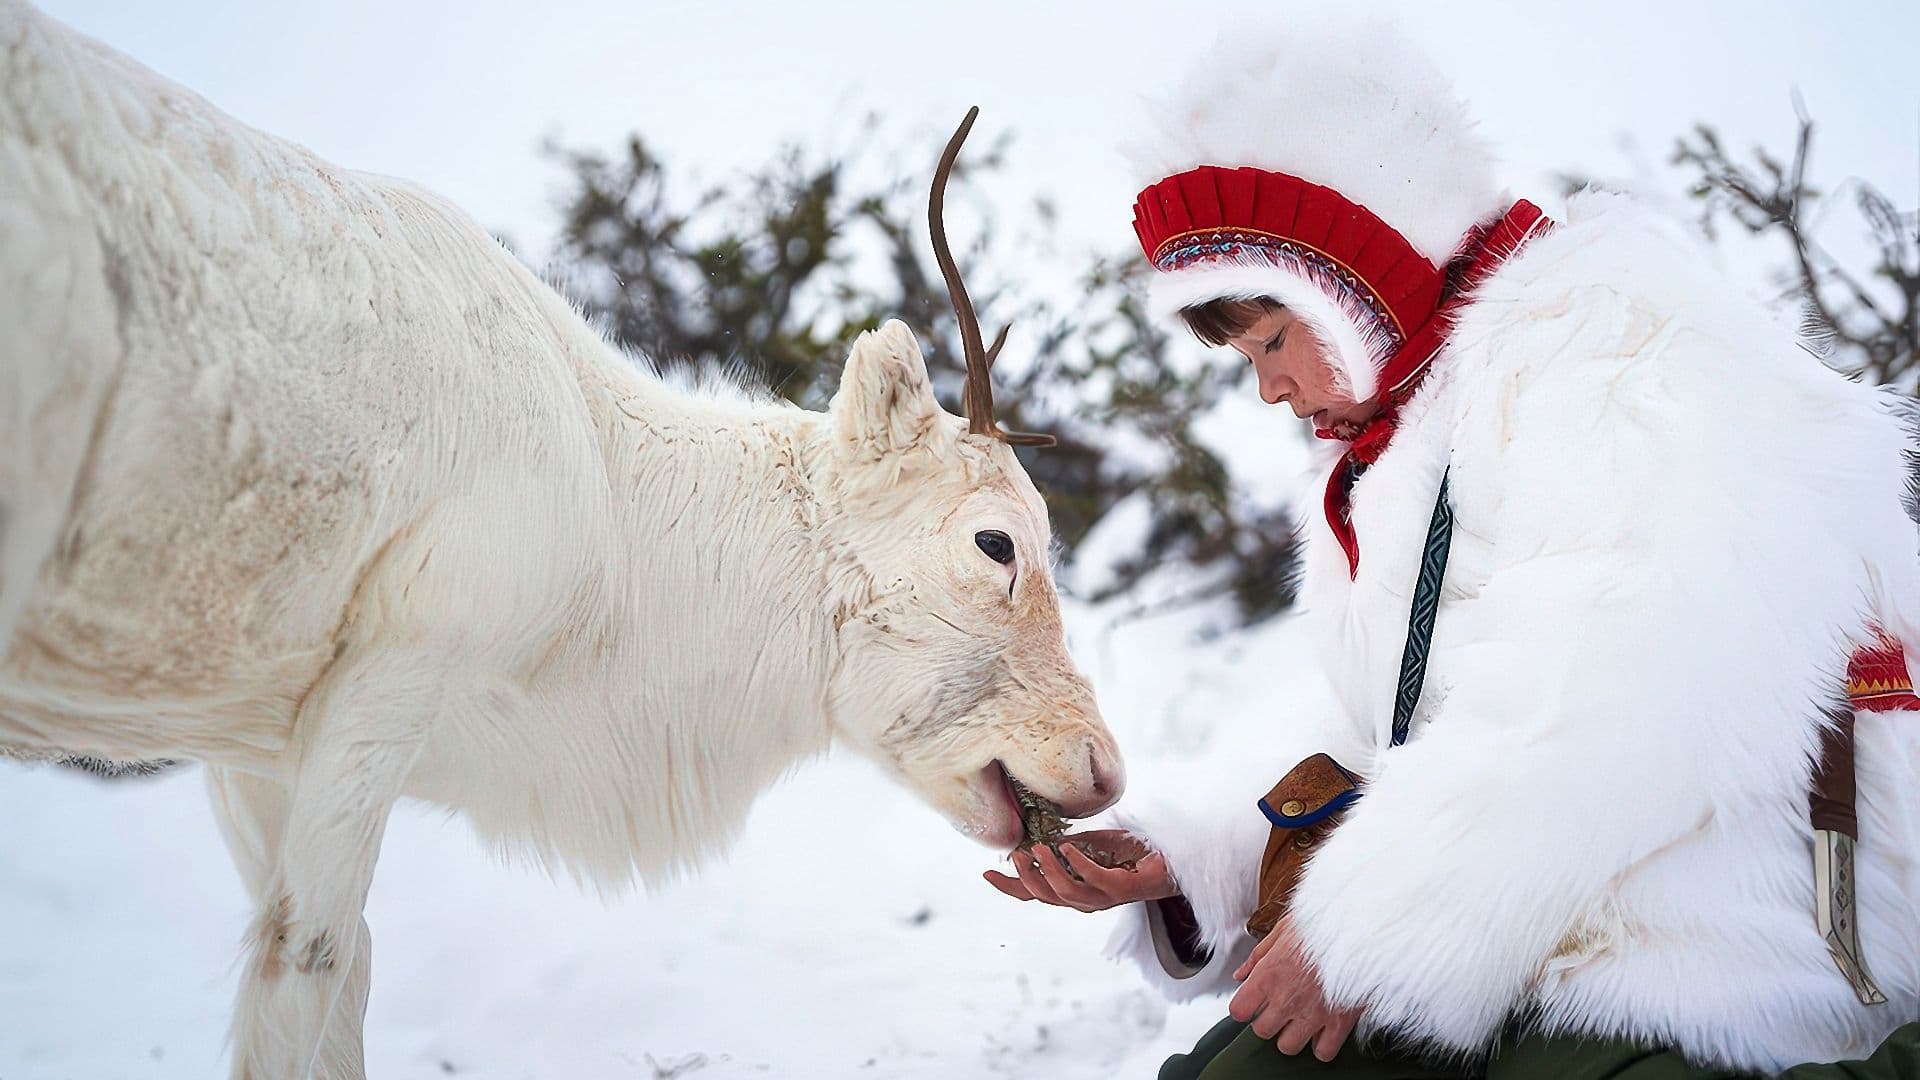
1672 527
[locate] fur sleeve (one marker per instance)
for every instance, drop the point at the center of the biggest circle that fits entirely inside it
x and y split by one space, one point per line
1213 848
1204 816
1689 518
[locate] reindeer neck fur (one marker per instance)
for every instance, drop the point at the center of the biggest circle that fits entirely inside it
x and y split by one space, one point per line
698 673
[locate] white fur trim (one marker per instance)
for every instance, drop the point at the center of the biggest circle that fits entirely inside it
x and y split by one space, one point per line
1354 106
1205 818
1672 522
1357 340
1214 854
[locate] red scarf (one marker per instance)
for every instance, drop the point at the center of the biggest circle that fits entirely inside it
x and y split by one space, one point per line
1483 251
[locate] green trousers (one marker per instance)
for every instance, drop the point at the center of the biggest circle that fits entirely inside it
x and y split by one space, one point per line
1230 1051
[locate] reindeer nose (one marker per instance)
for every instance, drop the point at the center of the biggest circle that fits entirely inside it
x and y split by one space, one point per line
1109 779
1104 782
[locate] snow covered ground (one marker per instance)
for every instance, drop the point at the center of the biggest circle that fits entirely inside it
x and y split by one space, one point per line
849 935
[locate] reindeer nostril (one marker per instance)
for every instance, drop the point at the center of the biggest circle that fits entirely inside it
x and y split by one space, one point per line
1102 781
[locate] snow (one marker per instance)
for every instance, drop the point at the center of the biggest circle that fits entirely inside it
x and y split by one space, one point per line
849 934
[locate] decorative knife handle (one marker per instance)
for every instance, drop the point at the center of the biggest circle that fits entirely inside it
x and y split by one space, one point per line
1836 828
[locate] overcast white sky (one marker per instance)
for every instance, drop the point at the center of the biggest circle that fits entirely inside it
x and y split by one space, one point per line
458 95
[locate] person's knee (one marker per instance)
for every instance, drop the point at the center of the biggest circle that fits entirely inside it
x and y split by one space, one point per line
1180 1067
1188 1066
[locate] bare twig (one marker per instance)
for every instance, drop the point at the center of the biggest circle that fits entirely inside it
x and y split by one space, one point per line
1872 325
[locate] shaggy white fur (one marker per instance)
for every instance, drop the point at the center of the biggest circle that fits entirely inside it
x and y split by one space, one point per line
1389 133
1673 525
306 478
1348 104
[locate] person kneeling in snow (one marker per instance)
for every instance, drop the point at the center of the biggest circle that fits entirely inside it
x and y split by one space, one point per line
1598 545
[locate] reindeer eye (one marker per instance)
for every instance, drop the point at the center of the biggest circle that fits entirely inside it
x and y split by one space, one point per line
997 545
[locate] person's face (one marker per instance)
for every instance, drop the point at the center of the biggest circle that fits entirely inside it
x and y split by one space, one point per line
1294 369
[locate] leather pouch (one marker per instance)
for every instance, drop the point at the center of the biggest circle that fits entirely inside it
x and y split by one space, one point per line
1304 807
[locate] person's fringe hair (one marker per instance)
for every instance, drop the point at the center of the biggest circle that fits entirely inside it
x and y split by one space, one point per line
1219 321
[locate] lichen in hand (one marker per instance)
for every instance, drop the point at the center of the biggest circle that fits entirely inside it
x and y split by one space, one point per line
1044 824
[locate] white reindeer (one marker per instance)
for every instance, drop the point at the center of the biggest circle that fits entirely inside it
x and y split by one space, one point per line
306 479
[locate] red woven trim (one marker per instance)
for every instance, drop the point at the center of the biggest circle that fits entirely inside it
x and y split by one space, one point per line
1185 249
1182 221
1482 251
1877 679
1888 701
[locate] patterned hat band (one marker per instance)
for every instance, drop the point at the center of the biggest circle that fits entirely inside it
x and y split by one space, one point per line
1240 247
1218 218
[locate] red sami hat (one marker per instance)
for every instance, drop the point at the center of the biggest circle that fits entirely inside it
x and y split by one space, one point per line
1355 280
1332 169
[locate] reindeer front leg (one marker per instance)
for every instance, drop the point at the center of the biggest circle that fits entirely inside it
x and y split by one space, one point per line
252 814
304 994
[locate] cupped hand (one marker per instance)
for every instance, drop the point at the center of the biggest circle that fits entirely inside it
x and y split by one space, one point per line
1072 879
1280 995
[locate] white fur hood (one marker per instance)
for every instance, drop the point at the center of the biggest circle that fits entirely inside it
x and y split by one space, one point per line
1349 104
1672 526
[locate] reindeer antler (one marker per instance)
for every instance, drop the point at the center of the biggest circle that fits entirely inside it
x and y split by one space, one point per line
979 394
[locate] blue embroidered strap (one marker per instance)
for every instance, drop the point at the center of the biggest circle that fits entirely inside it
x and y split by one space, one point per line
1413 661
1426 604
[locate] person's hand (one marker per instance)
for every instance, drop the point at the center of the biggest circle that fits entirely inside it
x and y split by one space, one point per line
1280 995
1080 883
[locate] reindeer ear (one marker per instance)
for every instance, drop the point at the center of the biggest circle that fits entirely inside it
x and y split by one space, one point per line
885 401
